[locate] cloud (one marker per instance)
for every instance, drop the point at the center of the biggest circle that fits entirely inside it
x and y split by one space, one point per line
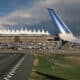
34 14
37 13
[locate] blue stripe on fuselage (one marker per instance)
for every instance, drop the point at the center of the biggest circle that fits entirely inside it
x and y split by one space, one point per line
59 23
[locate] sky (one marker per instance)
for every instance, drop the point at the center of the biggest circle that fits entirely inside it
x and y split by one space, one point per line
35 11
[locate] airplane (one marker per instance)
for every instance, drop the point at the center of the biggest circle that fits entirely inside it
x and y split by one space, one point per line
65 33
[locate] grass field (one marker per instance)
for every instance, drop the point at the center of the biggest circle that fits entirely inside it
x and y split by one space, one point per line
58 67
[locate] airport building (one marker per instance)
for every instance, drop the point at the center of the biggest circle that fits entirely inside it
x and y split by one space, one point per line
11 33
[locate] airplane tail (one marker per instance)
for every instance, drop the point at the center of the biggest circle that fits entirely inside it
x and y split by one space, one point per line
64 32
62 28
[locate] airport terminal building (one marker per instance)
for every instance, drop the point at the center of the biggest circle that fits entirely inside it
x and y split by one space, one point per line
12 33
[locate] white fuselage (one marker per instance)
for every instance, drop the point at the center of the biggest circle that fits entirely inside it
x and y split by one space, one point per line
69 37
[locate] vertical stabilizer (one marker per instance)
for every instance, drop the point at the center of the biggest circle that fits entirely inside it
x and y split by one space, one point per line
62 28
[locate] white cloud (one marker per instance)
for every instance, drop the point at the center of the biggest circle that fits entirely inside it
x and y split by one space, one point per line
34 14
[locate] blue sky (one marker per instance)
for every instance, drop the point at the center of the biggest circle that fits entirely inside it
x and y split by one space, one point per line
7 6
34 11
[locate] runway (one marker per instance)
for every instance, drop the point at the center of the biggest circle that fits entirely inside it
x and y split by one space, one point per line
15 66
